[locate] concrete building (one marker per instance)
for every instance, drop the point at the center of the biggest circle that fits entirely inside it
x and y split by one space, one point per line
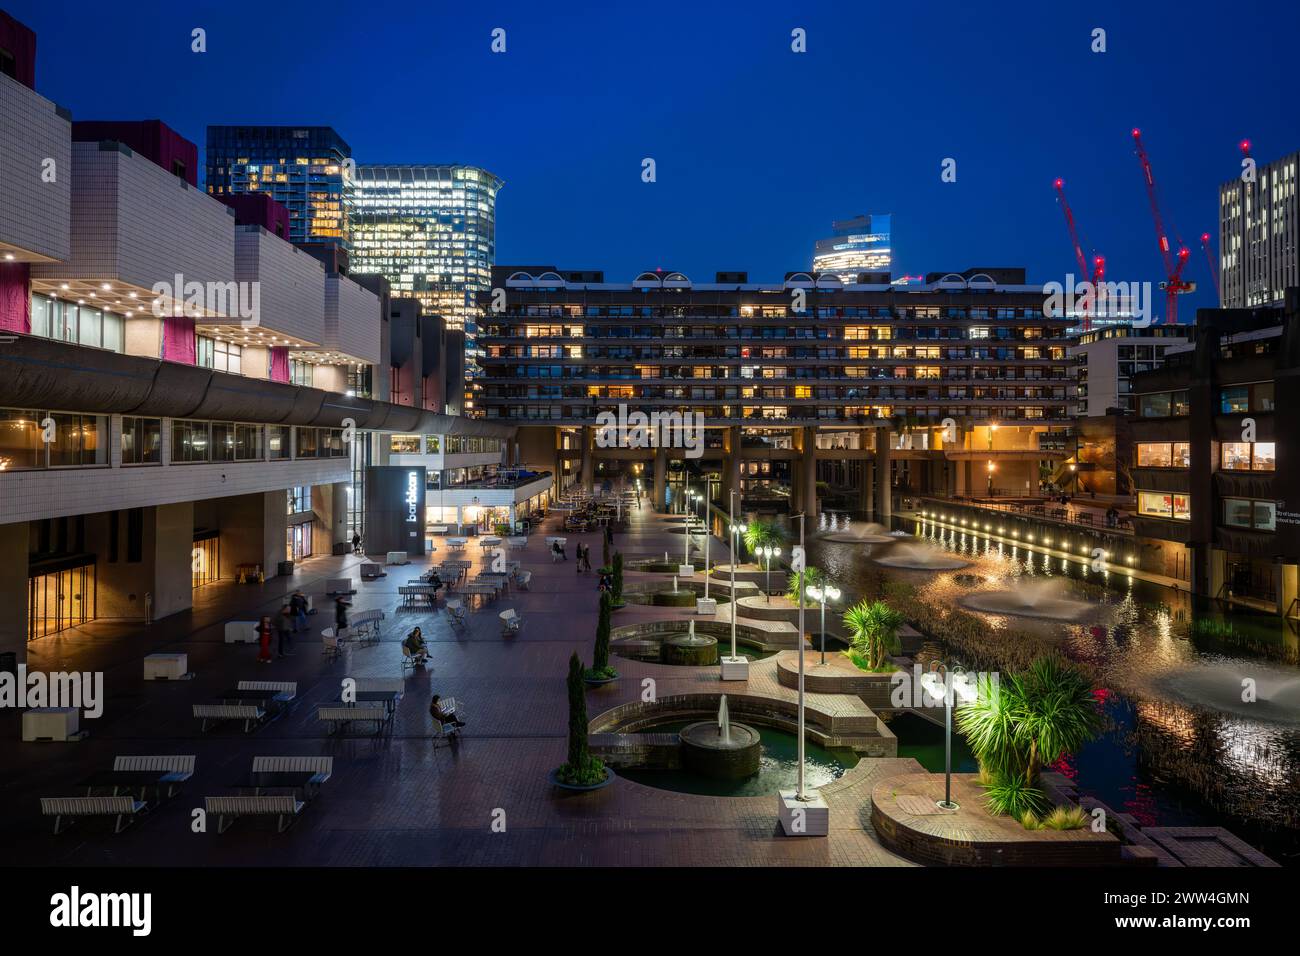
1259 236
1212 463
809 391
184 395
857 247
1108 356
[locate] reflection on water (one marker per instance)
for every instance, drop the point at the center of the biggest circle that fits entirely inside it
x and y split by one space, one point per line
1181 746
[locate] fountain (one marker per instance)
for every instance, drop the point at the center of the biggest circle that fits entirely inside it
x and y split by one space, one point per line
919 557
720 749
1039 599
1222 687
689 649
821 521
871 533
674 584
835 523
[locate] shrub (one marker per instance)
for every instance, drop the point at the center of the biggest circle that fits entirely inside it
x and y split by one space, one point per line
618 577
873 632
581 769
811 577
1012 796
600 669
1067 818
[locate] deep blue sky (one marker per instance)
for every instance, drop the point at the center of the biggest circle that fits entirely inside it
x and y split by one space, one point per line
757 148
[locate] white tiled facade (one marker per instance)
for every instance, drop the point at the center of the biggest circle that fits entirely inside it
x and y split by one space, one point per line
134 222
291 283
352 317
35 195
1259 236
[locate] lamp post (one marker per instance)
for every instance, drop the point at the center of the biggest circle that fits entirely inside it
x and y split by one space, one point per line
1074 478
799 793
707 535
734 667
822 594
768 552
944 681
992 468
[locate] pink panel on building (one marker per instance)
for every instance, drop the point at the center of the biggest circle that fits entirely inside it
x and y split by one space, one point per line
279 364
15 297
178 340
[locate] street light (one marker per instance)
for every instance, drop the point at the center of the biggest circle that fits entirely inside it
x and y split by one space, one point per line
992 468
736 531
822 594
944 680
767 553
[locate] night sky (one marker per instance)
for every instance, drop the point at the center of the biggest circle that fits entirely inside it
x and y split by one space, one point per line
757 148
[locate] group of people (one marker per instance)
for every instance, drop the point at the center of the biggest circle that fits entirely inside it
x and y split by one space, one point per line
291 619
584 558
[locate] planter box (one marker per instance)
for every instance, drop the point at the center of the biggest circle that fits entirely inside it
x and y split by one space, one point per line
166 667
51 723
397 557
685 570
340 586
735 668
707 606
241 632
804 818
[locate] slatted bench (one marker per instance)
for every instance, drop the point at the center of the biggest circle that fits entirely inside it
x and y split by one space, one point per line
340 715
123 808
284 808
250 714
177 767
363 626
391 685
411 592
286 688
320 768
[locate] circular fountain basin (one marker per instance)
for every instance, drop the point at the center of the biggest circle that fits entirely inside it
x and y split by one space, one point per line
689 650
1019 604
868 538
920 559
705 752
682 598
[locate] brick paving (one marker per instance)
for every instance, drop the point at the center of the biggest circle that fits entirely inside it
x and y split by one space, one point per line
403 798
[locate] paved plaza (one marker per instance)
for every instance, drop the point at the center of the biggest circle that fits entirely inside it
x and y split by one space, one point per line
403 798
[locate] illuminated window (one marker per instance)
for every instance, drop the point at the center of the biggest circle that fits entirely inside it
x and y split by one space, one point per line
1164 505
1163 454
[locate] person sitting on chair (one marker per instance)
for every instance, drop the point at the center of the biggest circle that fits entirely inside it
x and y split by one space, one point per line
442 716
417 647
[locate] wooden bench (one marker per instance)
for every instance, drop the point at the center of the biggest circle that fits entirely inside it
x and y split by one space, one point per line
363 626
283 808
248 713
123 808
241 632
178 767
340 715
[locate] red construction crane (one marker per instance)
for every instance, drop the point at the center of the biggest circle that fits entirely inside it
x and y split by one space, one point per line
1174 284
1208 246
1097 270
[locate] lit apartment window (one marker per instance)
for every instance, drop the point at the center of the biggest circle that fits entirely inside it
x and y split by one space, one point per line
1247 456
404 444
1163 454
1162 504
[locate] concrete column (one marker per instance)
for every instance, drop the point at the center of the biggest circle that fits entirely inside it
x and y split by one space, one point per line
884 493
660 499
588 462
13 589
253 529
163 570
330 504
808 463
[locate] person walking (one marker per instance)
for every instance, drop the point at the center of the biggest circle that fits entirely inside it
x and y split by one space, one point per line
586 557
340 617
264 639
577 562
298 605
284 630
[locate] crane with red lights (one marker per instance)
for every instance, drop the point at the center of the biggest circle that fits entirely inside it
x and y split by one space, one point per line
1208 245
1097 270
1174 284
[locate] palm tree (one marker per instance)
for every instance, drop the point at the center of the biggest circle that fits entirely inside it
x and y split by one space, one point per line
761 533
1025 722
873 631
812 577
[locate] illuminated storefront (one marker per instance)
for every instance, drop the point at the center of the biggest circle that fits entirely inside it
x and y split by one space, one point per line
60 595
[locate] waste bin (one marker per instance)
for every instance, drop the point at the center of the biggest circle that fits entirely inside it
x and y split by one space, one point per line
284 569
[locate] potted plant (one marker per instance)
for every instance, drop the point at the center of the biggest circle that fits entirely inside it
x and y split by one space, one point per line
581 771
616 575
873 634
600 672
1022 723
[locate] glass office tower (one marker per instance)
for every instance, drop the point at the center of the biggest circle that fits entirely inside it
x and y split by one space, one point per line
857 245
302 167
431 231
